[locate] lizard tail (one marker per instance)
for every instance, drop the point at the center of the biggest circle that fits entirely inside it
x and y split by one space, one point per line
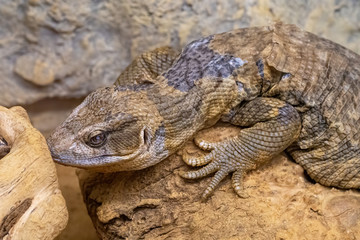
336 167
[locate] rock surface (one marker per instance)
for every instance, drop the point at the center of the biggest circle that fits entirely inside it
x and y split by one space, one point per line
156 203
69 48
32 206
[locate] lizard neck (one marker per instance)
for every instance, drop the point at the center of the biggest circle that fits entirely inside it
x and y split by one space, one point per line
184 113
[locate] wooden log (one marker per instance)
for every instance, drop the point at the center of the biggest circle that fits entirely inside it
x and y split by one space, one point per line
31 204
4 147
156 203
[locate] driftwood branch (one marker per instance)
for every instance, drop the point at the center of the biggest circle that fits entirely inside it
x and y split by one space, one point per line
156 203
32 206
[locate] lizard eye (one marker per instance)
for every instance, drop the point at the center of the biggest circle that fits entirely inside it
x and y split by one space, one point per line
97 139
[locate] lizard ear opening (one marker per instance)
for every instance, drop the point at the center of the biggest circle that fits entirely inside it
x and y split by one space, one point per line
146 136
126 140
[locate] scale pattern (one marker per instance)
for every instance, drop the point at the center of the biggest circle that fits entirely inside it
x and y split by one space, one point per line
287 88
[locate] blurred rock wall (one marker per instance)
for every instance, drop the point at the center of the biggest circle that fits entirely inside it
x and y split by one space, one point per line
64 48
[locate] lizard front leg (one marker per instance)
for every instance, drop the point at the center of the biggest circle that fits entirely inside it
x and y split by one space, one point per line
272 126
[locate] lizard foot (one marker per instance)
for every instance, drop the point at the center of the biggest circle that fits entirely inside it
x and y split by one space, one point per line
272 126
201 160
223 159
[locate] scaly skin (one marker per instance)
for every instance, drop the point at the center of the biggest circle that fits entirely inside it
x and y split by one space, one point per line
292 91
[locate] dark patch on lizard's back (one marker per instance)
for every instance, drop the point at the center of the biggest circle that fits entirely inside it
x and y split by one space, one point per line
197 60
160 136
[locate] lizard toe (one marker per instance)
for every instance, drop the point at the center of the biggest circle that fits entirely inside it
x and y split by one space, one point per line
202 172
218 177
197 161
205 145
237 183
223 161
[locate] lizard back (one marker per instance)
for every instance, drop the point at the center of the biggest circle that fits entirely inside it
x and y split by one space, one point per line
322 80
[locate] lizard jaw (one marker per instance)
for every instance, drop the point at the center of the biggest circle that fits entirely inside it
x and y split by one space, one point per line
105 163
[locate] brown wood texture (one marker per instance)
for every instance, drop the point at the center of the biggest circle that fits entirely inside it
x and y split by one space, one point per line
31 204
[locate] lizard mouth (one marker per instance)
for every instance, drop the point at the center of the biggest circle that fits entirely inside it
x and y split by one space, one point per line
106 160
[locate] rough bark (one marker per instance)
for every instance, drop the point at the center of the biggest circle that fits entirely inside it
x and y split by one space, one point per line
156 203
32 206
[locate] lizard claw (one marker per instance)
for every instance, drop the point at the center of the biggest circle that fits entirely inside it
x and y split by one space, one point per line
196 161
205 145
222 160
202 172
275 125
202 160
237 184
218 177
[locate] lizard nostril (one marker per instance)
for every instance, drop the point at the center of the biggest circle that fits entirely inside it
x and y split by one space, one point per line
147 137
50 144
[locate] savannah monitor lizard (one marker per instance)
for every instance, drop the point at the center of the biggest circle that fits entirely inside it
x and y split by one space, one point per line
288 89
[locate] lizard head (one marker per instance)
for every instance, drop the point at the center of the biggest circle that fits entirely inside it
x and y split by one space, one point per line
111 130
